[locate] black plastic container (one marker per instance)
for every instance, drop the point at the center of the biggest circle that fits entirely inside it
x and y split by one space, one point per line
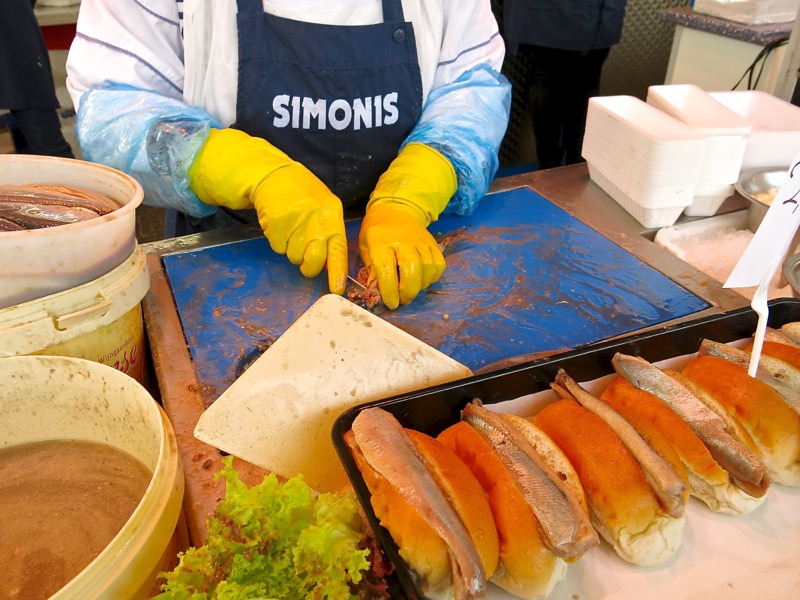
434 409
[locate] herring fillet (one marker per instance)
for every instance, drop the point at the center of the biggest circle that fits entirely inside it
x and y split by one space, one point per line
564 526
668 487
389 450
732 425
62 195
780 375
36 206
742 464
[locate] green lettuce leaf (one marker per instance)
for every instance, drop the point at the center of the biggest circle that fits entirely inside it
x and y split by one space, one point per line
273 541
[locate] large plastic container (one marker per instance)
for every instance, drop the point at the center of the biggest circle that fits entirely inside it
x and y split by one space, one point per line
53 397
38 262
100 320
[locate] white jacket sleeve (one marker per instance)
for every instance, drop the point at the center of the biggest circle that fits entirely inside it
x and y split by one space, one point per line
467 110
125 77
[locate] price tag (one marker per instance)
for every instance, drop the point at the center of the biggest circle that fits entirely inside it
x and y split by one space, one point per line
770 242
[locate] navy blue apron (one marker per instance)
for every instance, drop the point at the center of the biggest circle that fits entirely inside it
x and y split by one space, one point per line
338 99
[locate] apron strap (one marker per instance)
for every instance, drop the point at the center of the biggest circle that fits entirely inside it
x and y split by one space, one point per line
393 11
250 6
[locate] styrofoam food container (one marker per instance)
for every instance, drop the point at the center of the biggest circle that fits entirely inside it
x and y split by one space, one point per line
643 158
655 207
653 163
775 127
726 131
56 397
39 262
708 199
639 120
698 109
623 131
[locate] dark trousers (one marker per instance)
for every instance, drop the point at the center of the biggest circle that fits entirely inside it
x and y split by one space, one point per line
38 131
561 83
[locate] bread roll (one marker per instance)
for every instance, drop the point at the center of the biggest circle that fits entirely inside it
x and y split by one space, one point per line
772 423
623 507
670 488
526 568
785 352
652 419
675 441
554 457
430 503
417 542
464 493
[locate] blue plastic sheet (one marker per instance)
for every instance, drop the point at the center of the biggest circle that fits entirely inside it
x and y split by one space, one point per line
523 277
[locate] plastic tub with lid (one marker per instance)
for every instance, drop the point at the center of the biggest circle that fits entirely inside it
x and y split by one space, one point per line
38 262
100 320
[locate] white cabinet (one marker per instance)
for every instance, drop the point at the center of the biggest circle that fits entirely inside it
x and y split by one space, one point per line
717 63
717 54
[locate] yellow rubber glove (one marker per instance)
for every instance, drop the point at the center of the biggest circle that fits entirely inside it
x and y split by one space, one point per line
394 242
300 216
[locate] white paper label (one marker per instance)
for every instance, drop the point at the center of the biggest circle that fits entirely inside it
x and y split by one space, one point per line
771 241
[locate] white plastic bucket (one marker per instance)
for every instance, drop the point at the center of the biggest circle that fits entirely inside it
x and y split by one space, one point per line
52 397
100 320
38 262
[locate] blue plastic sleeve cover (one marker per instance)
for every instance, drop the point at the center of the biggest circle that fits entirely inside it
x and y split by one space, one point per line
466 121
149 136
155 138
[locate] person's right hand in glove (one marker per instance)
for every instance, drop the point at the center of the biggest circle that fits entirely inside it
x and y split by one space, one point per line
300 216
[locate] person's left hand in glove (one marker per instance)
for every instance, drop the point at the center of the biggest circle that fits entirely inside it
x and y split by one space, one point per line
395 244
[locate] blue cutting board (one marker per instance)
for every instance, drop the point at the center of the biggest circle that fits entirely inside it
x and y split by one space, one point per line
523 277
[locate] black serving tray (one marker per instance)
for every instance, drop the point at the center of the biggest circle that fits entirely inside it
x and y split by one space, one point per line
433 409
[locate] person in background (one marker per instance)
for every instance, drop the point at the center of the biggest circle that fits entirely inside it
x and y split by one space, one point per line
300 109
27 88
564 43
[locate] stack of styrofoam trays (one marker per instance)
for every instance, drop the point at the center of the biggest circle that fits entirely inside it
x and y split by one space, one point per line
775 135
726 131
643 158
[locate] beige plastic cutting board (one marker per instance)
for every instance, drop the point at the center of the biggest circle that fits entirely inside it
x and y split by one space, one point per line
279 413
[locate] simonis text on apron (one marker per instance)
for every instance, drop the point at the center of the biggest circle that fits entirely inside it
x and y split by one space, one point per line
338 99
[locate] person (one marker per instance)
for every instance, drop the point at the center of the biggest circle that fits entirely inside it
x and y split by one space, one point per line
300 109
563 44
27 88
